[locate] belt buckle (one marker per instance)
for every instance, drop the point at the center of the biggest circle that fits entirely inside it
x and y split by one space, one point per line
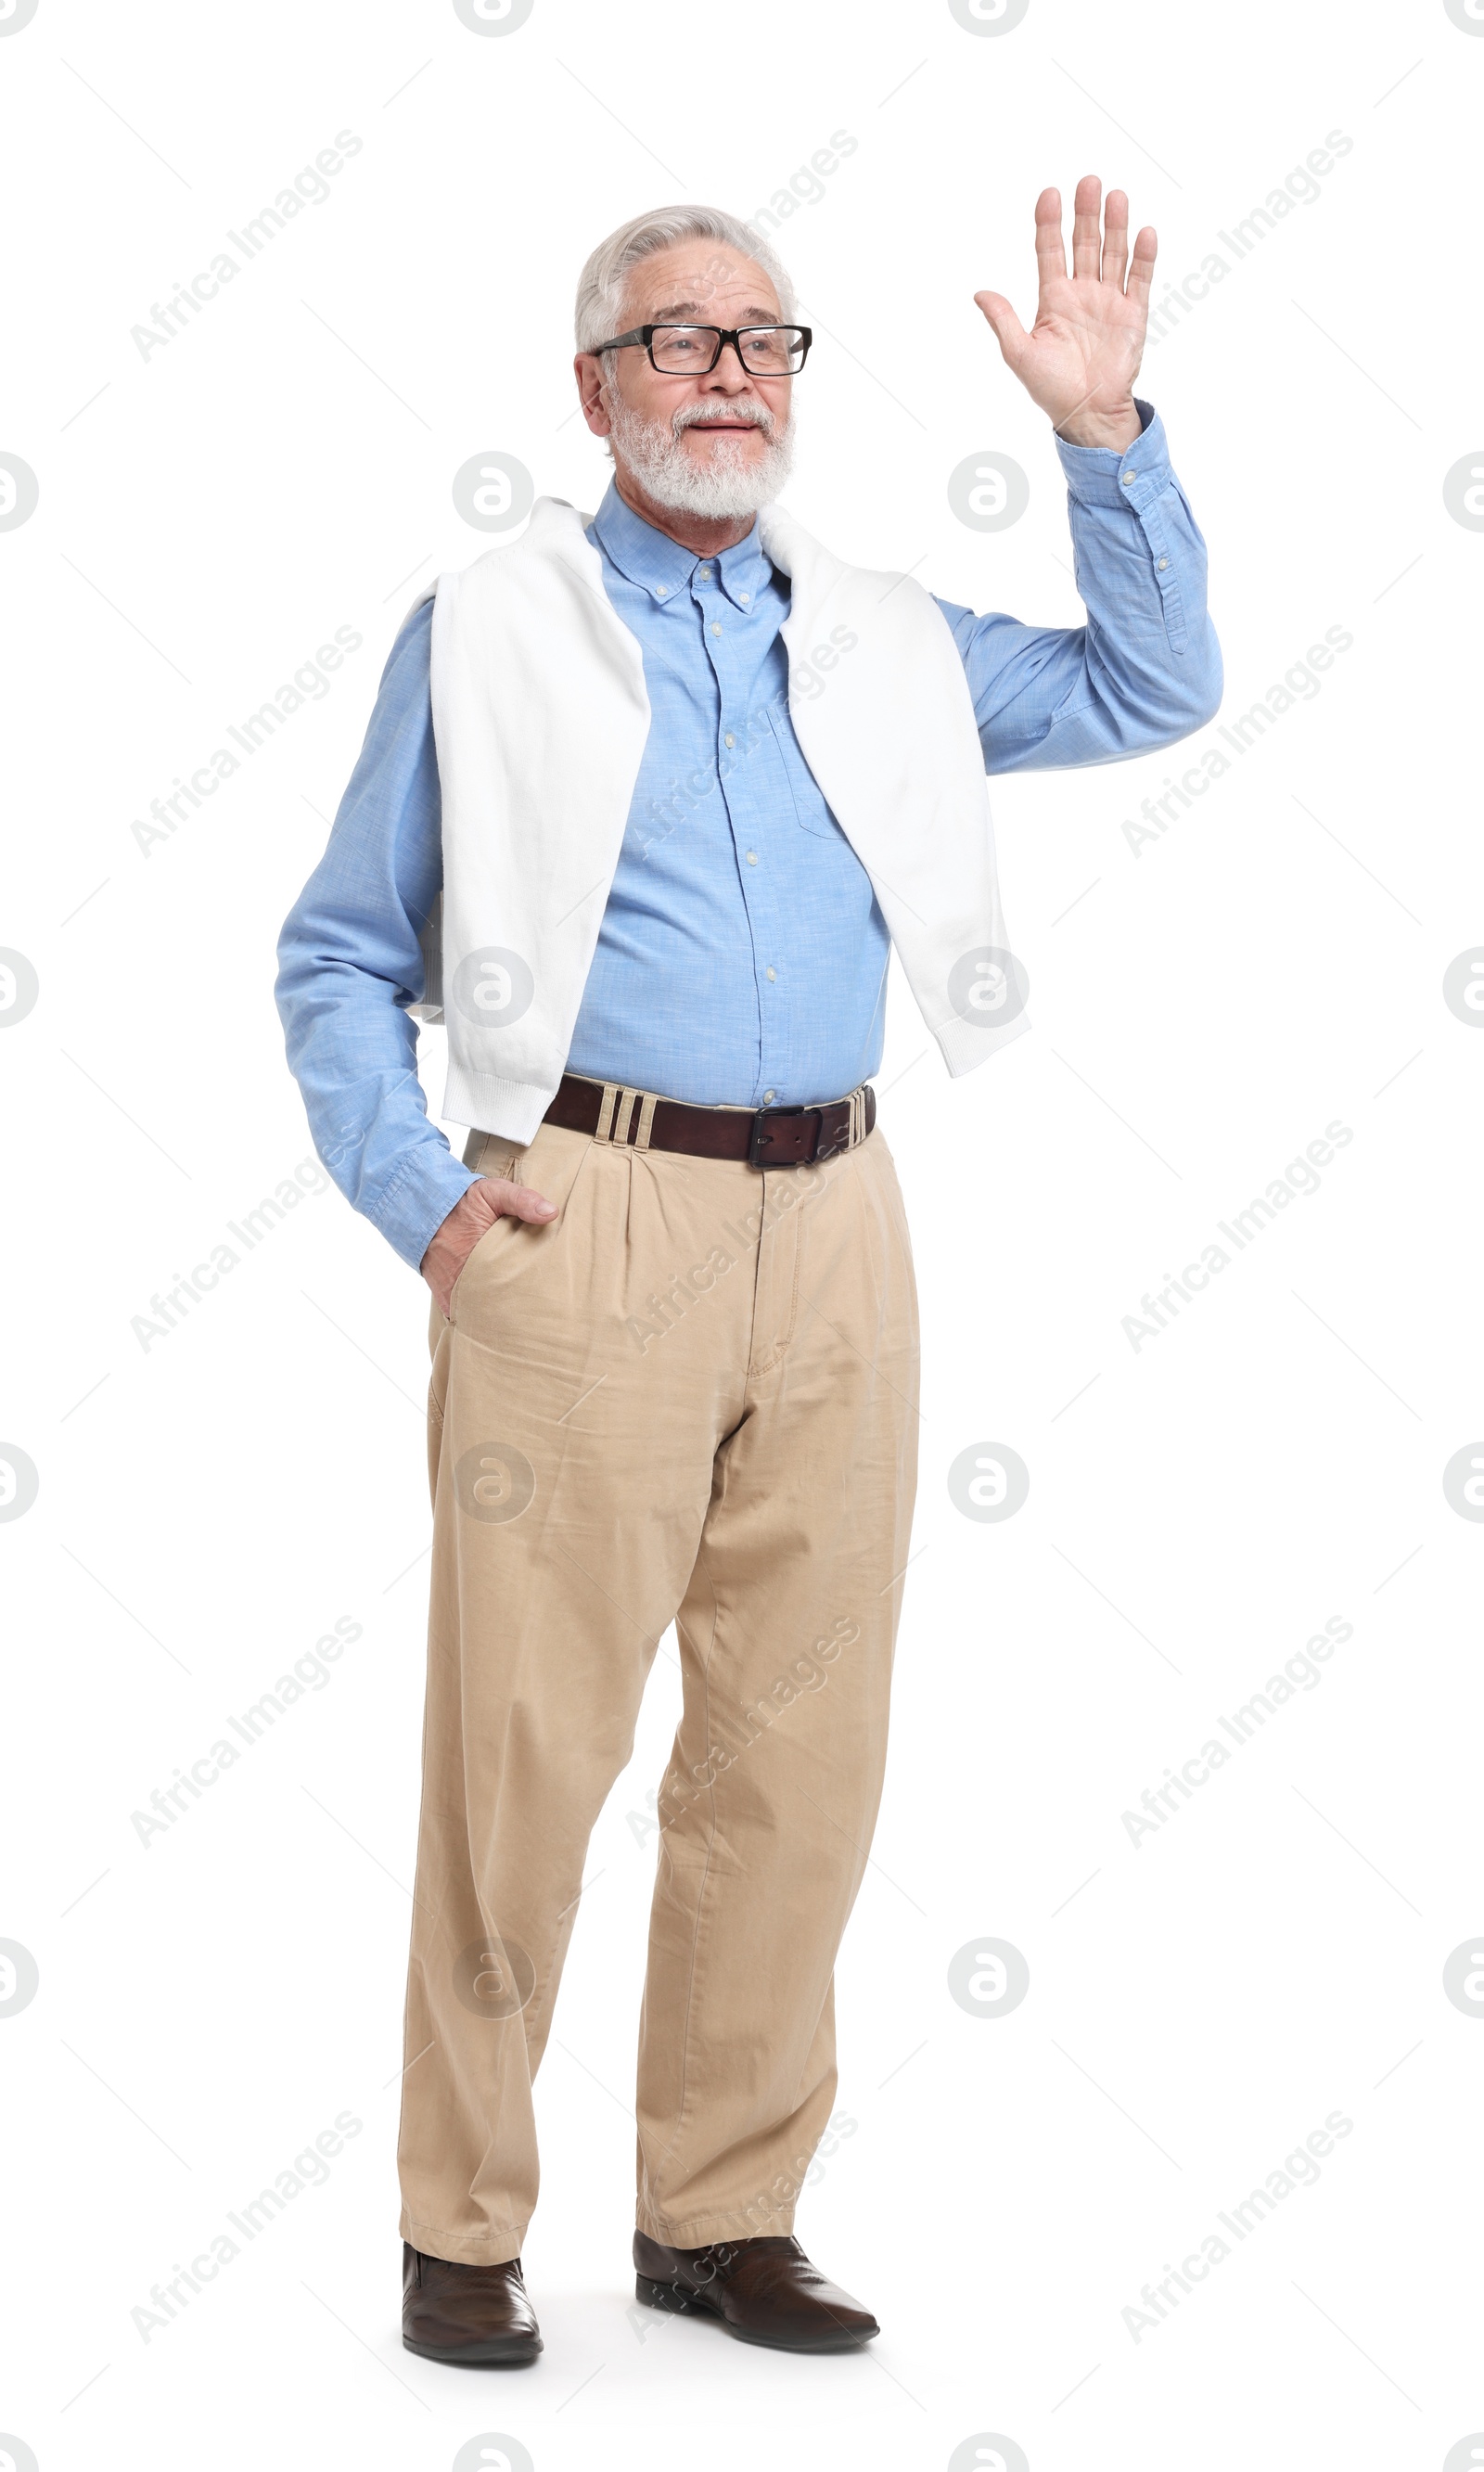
761 1133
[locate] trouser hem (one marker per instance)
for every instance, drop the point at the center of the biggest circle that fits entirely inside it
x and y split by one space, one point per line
698 2231
462 2248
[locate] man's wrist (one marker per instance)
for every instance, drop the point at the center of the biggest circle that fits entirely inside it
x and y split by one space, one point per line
1108 430
1130 479
433 1185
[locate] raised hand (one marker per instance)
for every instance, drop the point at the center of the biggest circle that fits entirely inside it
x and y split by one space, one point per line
1081 357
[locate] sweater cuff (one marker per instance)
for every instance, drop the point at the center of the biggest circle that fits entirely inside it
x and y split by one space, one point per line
419 1197
1133 476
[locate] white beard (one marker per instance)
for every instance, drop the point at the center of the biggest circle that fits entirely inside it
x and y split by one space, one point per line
723 485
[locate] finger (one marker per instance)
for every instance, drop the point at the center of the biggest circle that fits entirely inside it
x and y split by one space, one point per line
522 1201
1116 238
1050 255
1141 272
1009 334
1085 235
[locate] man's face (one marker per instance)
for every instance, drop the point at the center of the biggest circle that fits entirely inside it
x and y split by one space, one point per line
716 443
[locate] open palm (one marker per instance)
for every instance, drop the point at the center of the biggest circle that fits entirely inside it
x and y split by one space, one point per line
1079 360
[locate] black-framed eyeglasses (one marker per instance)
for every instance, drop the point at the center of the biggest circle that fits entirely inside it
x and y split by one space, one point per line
694 351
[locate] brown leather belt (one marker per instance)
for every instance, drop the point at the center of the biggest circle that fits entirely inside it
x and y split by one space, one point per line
764 1136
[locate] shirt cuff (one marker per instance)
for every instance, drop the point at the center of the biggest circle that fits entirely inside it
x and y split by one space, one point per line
414 1205
1131 476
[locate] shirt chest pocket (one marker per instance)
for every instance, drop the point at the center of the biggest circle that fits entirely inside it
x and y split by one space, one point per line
808 800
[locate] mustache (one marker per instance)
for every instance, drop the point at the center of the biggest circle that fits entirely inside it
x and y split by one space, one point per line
745 409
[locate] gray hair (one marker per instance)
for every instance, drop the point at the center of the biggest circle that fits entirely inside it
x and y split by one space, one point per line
604 278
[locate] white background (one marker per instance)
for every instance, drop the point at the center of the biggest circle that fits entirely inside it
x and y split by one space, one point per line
1198 1507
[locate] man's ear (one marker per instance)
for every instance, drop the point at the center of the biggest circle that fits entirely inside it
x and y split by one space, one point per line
588 371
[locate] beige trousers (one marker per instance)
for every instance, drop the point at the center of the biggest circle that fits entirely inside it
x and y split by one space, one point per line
689 1397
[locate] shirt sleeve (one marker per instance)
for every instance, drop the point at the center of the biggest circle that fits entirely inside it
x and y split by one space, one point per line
1146 668
350 965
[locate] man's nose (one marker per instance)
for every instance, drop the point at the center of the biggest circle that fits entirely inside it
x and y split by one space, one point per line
730 374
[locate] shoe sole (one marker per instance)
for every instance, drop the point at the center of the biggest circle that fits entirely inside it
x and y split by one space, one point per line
510 2355
681 2303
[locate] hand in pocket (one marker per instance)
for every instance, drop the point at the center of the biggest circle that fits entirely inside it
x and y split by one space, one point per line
472 1216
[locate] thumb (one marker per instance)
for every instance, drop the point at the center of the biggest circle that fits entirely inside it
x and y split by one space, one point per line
524 1202
1009 334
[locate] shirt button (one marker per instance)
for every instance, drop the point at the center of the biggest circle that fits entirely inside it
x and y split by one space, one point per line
767 1095
1164 562
1128 479
660 591
730 740
745 598
752 859
715 628
772 973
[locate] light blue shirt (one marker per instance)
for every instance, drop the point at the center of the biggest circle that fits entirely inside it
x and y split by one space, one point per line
742 958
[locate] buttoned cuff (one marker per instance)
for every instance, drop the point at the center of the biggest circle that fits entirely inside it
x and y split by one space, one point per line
1134 476
417 1201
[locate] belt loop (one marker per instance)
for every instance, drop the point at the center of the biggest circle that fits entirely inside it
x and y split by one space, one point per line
623 1113
646 1121
610 1092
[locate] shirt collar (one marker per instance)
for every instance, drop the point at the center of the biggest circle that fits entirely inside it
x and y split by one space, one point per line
663 568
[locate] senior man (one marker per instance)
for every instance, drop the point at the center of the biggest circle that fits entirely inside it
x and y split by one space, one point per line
645 800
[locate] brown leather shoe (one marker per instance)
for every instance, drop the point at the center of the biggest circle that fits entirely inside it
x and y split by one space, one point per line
764 2292
475 2317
